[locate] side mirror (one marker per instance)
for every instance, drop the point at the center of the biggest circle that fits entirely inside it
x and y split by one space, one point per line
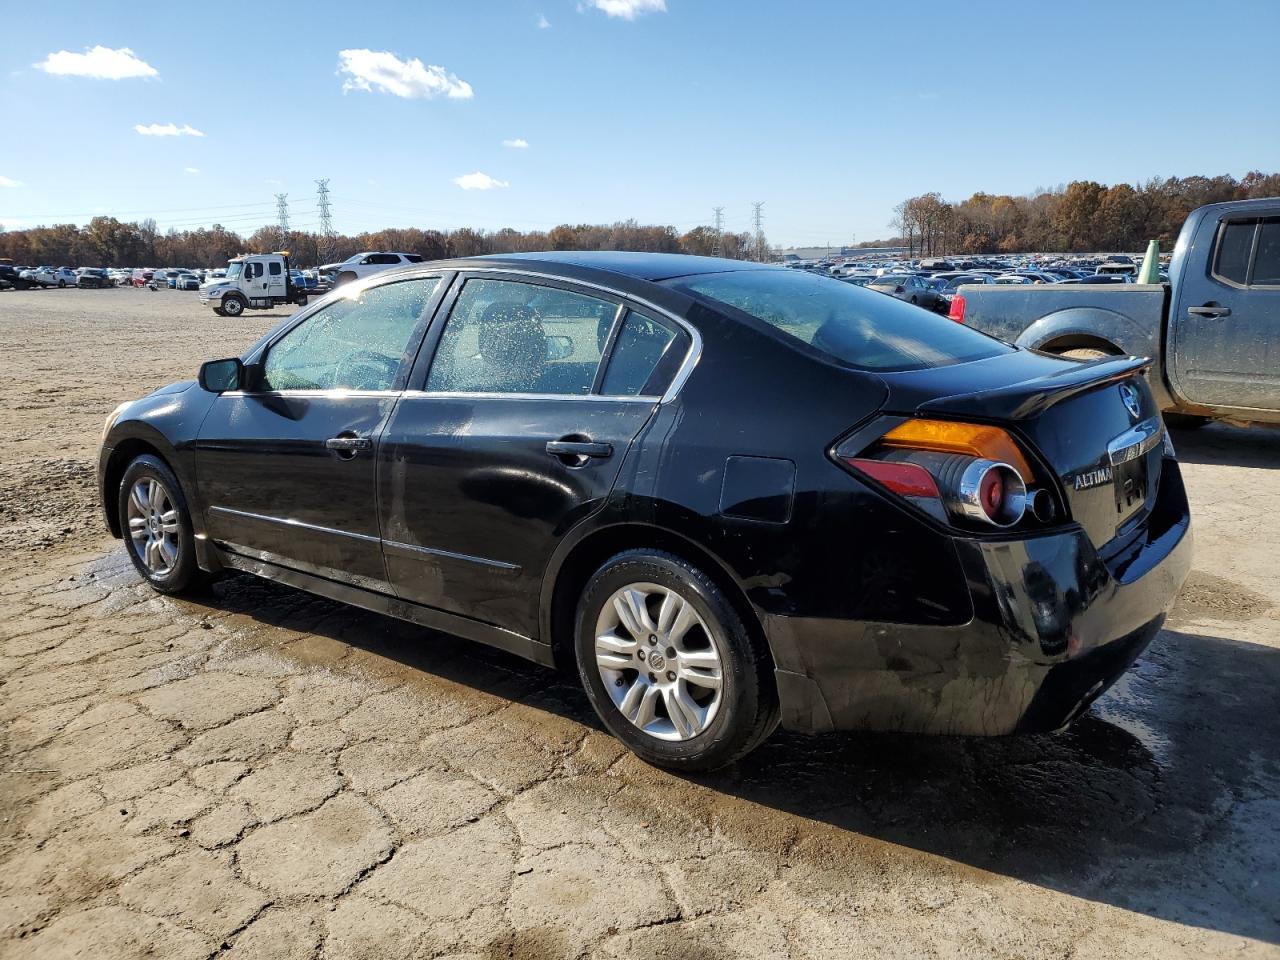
559 348
218 376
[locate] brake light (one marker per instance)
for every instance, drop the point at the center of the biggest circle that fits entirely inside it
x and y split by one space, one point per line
956 312
904 479
959 473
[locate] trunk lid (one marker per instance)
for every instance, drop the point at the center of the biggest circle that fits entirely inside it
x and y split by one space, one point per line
1095 425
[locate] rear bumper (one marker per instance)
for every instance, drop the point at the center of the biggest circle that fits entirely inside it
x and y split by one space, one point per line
1055 624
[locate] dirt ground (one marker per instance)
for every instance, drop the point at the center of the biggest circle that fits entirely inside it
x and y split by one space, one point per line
258 773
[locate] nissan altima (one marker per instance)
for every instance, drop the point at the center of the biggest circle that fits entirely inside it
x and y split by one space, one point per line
726 495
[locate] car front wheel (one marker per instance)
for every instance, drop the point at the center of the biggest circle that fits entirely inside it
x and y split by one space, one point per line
669 665
156 526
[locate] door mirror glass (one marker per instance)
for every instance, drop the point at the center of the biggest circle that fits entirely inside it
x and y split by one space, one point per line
218 376
559 348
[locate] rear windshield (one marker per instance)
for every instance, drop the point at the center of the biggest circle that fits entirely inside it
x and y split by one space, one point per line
850 324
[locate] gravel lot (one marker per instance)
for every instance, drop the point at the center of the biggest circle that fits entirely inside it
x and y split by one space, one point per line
257 773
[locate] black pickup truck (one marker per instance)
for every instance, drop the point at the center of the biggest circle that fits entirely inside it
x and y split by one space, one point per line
1212 332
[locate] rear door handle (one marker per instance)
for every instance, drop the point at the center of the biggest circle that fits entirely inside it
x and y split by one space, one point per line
579 448
1209 311
348 444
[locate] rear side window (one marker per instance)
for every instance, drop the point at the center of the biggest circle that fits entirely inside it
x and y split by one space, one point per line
857 327
640 347
1235 244
507 336
413 257
1266 261
274 268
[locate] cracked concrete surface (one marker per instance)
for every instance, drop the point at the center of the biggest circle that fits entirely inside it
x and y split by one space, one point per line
257 773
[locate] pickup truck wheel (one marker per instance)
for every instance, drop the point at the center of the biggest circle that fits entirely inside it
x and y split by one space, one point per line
300 299
61 284
1083 353
669 665
233 306
344 278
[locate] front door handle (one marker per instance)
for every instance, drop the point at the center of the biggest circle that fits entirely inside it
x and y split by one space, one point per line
347 445
581 450
1209 310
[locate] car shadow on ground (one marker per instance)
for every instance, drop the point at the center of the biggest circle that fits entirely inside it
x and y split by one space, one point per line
1220 443
1164 800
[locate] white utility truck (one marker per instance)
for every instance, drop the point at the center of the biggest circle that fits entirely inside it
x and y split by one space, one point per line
254 281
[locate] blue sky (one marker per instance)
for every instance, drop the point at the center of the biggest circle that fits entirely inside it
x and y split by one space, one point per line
828 112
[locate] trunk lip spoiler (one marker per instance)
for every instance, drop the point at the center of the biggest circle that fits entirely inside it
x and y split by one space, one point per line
1041 393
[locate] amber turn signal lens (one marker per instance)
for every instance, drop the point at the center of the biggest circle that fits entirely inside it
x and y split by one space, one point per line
971 439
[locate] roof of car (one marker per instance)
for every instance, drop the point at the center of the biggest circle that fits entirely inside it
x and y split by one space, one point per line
641 266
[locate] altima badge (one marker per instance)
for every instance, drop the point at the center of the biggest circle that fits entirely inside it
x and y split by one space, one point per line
1092 478
1132 403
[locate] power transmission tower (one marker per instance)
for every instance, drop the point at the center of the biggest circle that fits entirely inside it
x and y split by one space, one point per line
282 210
719 211
757 220
326 219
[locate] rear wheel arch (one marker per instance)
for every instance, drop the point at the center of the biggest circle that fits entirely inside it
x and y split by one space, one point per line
564 586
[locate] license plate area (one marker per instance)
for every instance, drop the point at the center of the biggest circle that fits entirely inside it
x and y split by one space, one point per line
1130 486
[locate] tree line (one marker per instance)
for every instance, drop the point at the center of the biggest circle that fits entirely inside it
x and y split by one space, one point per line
108 242
1080 217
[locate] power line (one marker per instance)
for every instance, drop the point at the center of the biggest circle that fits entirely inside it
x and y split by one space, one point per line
719 211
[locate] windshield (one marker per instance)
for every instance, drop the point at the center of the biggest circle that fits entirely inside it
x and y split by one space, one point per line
842 321
233 270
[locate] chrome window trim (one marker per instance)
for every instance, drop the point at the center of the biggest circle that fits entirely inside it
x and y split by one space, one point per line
691 358
495 395
320 394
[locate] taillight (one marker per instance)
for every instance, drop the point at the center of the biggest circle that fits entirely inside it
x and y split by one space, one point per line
956 312
971 474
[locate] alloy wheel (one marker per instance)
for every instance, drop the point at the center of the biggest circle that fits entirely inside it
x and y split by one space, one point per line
660 663
153 526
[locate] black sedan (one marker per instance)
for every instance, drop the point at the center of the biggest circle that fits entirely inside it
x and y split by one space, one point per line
93 278
726 494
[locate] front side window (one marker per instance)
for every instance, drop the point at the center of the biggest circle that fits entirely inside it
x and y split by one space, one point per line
846 323
507 336
354 343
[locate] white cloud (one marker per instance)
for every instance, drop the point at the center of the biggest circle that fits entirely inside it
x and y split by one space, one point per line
9 182
478 181
11 223
371 70
543 22
519 143
192 169
628 9
102 63
167 130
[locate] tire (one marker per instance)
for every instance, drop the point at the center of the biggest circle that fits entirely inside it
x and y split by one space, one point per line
915 302
219 311
61 284
1186 421
1084 353
344 278
233 306
162 520
715 726
300 300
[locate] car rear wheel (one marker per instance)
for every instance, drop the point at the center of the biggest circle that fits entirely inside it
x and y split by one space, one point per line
233 306
61 284
669 665
156 525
